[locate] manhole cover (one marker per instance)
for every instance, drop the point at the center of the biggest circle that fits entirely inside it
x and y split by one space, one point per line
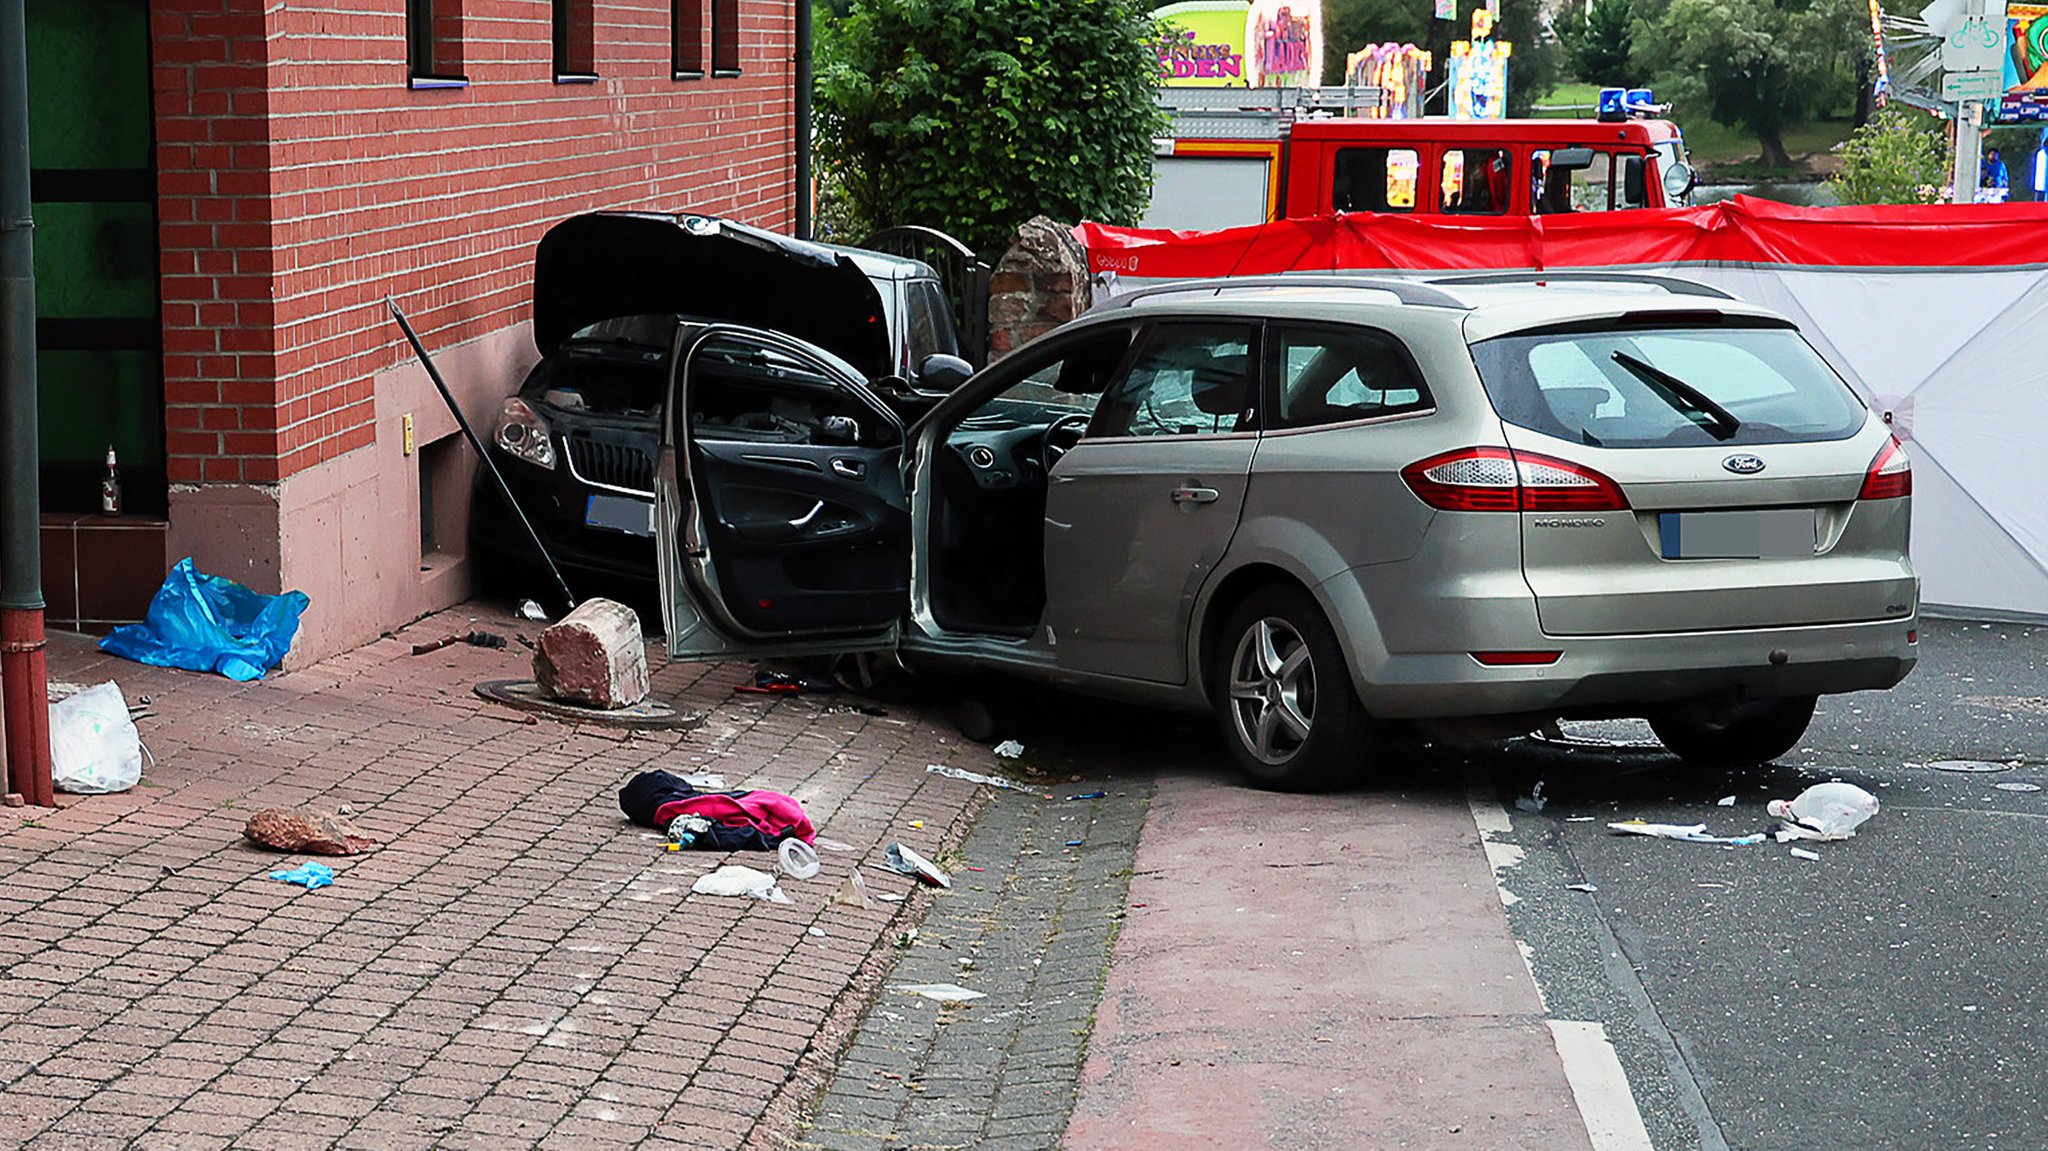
2017 786
647 714
1969 766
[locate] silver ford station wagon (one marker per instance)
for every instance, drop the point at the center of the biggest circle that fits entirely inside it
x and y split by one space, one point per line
1323 509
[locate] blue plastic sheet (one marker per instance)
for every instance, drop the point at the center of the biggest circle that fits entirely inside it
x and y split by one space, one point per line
207 623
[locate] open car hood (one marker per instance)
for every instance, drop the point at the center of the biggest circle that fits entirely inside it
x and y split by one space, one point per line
607 264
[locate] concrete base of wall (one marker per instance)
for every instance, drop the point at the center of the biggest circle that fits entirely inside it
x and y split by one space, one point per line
347 532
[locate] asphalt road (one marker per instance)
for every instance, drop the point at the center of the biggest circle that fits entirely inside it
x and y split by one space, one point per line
1884 996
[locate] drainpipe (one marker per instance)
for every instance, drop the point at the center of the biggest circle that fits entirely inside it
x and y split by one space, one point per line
24 682
803 119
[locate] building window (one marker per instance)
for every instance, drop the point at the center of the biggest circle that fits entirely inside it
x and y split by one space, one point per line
686 26
575 49
433 41
725 37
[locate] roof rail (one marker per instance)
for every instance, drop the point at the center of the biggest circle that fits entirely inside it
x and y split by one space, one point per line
1671 284
1406 291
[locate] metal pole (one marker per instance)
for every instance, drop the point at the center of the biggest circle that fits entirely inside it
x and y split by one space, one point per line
802 84
483 453
24 678
1969 140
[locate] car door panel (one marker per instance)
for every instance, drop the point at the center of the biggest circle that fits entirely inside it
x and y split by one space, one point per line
780 511
1145 505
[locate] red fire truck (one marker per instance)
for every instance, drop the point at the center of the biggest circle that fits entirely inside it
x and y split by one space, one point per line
1248 155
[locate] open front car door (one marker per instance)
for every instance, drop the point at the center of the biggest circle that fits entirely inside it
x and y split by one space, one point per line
781 519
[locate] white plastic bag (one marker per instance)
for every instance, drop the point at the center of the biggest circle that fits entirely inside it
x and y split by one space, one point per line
94 747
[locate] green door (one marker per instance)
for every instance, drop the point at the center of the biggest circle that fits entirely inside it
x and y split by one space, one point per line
99 350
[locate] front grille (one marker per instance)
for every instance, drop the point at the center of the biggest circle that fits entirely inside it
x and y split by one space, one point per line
611 465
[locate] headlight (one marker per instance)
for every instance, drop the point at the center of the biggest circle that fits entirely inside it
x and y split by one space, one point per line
524 434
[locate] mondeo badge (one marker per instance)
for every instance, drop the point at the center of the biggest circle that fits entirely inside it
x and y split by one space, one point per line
1744 465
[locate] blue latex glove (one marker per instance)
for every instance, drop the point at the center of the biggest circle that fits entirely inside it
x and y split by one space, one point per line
312 875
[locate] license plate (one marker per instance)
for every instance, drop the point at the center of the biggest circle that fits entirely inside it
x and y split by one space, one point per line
1781 534
620 514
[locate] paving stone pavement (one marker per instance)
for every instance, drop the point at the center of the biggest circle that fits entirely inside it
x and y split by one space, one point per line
1033 932
515 965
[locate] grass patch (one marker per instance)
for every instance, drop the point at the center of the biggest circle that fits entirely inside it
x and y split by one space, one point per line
1732 155
1569 101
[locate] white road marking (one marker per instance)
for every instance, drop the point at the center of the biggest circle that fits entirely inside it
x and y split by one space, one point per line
1599 1087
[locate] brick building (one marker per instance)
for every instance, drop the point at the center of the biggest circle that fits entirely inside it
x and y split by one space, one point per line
226 192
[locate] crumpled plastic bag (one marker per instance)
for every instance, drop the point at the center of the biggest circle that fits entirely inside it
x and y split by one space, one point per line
732 879
312 875
208 623
94 747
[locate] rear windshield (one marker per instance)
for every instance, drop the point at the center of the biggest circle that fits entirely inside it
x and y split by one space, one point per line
1635 387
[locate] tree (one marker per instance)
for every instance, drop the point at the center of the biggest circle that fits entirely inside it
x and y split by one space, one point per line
1597 41
972 116
1760 64
1899 157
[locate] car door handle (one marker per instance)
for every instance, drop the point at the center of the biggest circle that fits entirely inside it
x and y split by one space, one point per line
850 469
1192 495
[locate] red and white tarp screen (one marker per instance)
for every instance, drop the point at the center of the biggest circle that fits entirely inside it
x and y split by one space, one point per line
1937 314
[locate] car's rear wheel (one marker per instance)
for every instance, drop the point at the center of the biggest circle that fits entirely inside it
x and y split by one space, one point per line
1753 738
1283 697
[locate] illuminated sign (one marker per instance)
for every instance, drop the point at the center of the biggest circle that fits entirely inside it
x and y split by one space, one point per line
1284 43
1478 72
1400 71
1204 44
2026 64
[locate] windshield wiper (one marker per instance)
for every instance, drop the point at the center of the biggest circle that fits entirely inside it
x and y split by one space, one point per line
1683 398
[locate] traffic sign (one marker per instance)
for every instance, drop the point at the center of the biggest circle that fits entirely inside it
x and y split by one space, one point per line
1974 44
1971 85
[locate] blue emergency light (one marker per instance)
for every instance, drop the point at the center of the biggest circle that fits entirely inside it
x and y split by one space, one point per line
1622 103
1613 104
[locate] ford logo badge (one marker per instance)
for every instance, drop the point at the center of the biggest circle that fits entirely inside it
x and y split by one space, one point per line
1743 465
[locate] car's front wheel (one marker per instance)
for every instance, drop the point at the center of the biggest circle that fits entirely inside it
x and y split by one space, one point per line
1757 737
1283 697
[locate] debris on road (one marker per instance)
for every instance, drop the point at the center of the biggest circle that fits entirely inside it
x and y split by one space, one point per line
2017 786
1532 802
1691 833
1090 795
488 639
796 859
1832 810
594 656
1969 766
975 777
854 893
754 820
768 682
1589 888
302 829
1725 801
207 623
940 992
310 875
1009 749
911 863
94 747
530 610
735 880
1802 853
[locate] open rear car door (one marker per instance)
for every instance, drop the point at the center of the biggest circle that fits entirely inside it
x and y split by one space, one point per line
780 515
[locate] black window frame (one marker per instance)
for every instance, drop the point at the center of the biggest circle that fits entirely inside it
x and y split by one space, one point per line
724 46
575 41
687 49
1341 164
1273 412
428 46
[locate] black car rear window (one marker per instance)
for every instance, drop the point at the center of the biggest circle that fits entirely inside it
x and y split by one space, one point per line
1631 386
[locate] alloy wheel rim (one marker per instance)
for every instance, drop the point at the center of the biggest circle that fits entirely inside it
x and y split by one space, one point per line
1272 691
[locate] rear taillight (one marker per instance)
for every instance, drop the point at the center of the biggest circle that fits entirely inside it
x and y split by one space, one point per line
1890 475
1500 480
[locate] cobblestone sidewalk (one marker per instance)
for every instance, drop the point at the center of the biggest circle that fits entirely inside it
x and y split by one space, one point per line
1033 932
515 966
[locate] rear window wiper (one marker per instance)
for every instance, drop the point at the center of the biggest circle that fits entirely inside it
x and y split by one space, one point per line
1683 398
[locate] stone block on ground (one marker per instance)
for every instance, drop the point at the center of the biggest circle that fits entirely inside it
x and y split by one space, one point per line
298 829
594 656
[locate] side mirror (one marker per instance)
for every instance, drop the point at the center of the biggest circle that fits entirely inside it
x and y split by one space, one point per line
1571 159
1678 182
942 373
1634 190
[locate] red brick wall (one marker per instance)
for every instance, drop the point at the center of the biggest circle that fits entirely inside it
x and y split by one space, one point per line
302 181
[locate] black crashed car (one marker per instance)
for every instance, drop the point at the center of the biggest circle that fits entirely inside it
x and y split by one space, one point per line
577 443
